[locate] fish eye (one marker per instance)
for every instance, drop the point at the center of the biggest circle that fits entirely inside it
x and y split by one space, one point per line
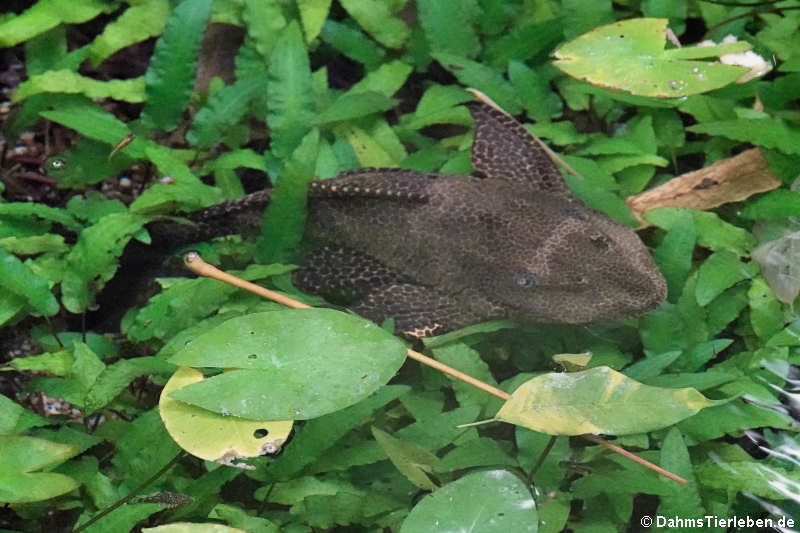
526 279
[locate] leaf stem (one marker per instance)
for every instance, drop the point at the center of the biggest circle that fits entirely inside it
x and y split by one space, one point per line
195 263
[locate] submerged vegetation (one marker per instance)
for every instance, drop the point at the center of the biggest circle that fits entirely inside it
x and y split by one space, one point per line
122 113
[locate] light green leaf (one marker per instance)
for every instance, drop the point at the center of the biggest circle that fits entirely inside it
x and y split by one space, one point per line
305 363
712 232
766 312
172 68
36 244
67 81
629 55
376 19
57 363
139 22
719 272
185 191
265 21
18 278
352 43
46 14
313 14
491 501
598 400
773 205
368 152
21 458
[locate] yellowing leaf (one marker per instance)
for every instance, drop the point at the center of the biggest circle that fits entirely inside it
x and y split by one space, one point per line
573 362
598 400
214 437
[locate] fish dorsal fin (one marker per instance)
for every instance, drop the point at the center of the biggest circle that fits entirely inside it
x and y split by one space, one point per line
503 149
388 183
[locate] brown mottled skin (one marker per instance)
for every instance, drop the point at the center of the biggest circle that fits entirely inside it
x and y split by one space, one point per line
439 252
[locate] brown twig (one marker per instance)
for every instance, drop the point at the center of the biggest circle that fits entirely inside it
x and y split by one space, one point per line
195 263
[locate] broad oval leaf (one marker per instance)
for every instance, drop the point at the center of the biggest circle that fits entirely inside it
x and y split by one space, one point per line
598 400
214 437
290 364
492 501
629 55
780 264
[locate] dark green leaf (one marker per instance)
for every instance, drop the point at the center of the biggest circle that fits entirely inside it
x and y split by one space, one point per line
172 68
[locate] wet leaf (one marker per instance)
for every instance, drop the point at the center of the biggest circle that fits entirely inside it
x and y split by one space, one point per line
211 436
290 364
629 55
598 400
491 501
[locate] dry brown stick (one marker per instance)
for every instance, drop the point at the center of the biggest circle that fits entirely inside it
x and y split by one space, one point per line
196 264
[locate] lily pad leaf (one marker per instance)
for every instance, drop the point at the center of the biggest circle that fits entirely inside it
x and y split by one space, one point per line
629 55
214 437
598 400
292 364
491 501
21 457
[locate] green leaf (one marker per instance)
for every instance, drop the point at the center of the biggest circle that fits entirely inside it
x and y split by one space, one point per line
57 363
222 111
352 43
376 19
139 22
481 77
766 312
774 205
21 458
306 363
15 419
766 481
386 79
491 501
351 106
93 259
674 255
766 132
719 272
319 435
285 218
712 232
449 27
94 122
36 244
185 191
265 21
46 14
598 400
367 150
115 378
412 460
289 92
313 14
18 278
629 55
172 68
66 81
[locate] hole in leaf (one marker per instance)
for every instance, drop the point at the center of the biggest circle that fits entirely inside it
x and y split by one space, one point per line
260 433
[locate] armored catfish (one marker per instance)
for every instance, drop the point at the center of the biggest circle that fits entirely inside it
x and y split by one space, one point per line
438 252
